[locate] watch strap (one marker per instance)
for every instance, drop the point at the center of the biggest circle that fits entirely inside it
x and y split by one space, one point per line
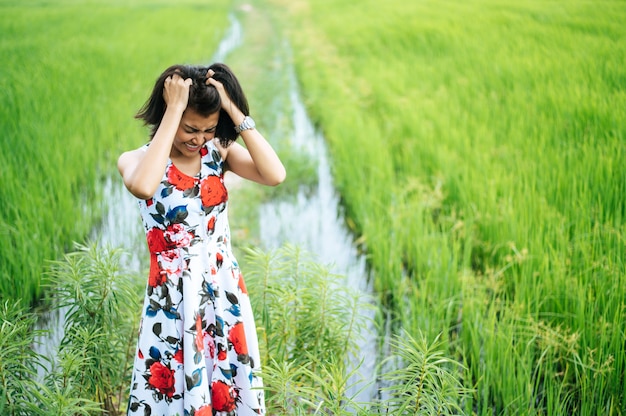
246 124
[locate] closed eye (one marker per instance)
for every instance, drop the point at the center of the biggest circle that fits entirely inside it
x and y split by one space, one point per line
192 130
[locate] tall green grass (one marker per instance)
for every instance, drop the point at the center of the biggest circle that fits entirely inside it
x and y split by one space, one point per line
309 327
478 147
73 75
88 372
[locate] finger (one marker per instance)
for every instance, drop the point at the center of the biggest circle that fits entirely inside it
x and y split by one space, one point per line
215 83
209 74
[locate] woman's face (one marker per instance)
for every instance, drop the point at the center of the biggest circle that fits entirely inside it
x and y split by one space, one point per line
193 132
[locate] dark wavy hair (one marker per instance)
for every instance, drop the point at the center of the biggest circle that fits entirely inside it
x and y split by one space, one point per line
203 98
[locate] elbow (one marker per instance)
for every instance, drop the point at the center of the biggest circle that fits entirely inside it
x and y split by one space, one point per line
139 188
141 192
278 178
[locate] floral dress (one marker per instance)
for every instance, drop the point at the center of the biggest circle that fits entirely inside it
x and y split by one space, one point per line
197 352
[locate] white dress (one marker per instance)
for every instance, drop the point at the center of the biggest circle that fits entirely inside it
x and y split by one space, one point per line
197 352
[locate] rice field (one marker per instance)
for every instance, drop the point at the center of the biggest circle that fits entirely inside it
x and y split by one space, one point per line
478 147
73 75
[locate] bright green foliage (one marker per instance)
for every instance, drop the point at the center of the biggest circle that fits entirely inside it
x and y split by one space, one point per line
311 324
100 305
73 75
18 362
478 147
88 373
424 381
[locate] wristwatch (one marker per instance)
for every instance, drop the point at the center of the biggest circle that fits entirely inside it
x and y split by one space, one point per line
246 124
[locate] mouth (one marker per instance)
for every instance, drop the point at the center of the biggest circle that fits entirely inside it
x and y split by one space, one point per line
192 148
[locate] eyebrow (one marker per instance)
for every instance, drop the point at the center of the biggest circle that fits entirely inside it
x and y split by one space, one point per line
189 127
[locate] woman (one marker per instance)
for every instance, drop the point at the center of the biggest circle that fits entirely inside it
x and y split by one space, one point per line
197 351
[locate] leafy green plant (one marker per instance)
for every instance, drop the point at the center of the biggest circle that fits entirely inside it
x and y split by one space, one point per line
18 362
309 321
88 373
425 381
310 326
101 303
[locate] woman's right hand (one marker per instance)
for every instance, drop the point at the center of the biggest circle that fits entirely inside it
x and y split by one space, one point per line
176 92
142 169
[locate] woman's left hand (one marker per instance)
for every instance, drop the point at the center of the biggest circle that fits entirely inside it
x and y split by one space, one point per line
227 104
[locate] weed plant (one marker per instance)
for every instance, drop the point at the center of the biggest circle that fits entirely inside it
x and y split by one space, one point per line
478 149
18 362
309 324
88 373
101 303
74 73
310 327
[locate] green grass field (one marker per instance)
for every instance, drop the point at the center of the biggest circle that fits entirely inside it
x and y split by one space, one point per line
73 75
479 149
478 146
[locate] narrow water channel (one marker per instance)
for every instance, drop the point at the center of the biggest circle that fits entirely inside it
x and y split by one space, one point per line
314 221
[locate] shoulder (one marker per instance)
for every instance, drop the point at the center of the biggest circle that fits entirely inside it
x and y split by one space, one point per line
130 157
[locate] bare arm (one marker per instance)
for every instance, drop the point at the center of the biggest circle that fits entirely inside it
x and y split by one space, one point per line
142 170
257 161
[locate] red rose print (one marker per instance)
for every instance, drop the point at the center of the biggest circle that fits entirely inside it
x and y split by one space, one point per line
221 352
242 284
237 337
192 351
211 225
223 397
157 277
180 181
162 379
204 411
176 235
156 240
170 262
213 191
